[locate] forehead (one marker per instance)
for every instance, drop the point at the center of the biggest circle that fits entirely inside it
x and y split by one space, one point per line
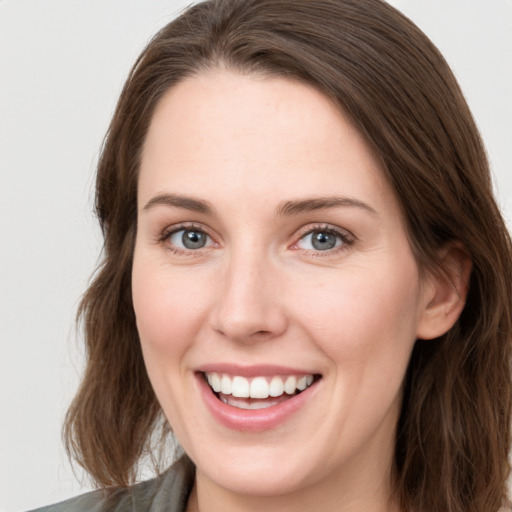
254 135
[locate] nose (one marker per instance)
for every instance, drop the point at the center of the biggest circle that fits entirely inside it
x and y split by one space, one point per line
249 306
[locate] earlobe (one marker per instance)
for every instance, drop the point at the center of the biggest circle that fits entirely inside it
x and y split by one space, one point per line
445 292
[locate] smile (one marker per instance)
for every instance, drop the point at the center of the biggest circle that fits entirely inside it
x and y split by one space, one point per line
256 392
255 398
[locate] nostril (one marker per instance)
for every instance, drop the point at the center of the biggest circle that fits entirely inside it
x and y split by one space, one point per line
245 320
261 335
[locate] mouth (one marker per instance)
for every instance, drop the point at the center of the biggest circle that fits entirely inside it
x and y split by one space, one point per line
258 392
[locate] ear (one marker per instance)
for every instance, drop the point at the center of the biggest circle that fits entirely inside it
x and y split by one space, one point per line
445 292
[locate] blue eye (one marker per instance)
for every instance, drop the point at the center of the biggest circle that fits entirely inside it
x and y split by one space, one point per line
322 240
189 239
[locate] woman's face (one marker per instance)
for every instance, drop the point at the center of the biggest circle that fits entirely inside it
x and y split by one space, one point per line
271 256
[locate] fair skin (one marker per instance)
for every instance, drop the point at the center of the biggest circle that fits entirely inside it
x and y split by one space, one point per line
237 272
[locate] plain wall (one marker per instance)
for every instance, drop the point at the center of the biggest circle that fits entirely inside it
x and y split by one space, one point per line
62 66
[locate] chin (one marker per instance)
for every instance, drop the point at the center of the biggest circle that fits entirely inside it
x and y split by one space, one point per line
262 477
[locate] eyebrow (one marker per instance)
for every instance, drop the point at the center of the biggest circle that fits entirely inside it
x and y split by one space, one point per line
321 203
286 208
188 203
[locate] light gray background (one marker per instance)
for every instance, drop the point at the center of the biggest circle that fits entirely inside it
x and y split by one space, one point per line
62 65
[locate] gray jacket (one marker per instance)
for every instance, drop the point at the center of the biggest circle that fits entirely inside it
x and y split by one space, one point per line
168 492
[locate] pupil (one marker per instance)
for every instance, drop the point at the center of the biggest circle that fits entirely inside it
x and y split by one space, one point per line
323 241
193 239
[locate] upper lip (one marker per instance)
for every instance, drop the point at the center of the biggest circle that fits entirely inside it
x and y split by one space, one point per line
259 370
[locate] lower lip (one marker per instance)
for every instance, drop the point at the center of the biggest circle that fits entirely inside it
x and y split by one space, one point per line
253 420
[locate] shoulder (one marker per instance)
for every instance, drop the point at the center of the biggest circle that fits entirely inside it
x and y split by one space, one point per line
166 493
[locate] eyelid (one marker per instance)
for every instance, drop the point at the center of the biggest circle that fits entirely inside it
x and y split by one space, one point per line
346 237
173 228
184 226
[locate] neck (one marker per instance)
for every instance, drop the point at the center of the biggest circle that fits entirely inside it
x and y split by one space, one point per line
346 496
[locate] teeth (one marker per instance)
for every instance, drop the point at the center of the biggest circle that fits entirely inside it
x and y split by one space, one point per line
302 383
240 387
276 386
214 381
240 404
258 387
225 385
290 385
305 382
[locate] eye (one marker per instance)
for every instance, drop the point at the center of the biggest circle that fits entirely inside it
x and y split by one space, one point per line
188 239
323 239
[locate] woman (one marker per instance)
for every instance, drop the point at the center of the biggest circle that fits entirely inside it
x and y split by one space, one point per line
305 272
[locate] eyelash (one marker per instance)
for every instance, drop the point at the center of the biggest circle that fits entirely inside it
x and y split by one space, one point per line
166 234
347 239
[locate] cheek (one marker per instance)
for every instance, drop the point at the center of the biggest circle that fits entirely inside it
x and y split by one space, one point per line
365 320
167 307
168 314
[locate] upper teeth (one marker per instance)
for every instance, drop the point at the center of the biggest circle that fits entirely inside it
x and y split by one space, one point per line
257 387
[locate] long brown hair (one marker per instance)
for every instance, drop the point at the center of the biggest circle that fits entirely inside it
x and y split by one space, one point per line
453 434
